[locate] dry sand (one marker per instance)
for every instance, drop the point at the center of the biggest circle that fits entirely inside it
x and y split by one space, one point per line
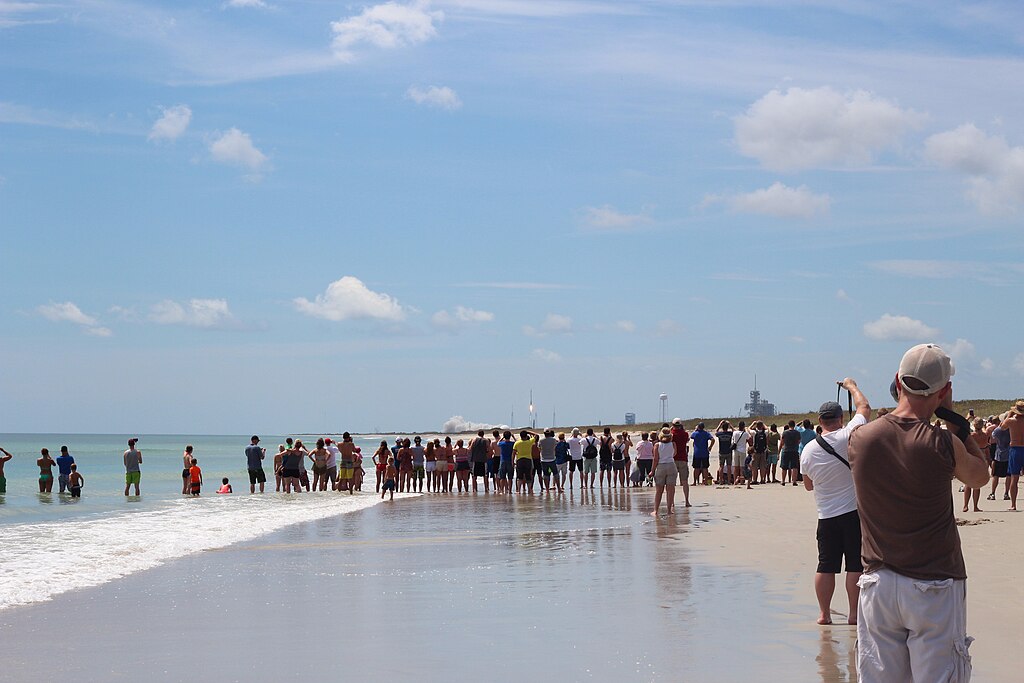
770 530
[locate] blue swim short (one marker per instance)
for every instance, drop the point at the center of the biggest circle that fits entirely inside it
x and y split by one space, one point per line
1016 466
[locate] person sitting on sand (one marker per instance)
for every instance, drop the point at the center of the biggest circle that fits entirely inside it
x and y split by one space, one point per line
75 482
665 471
45 464
225 487
827 473
195 477
390 474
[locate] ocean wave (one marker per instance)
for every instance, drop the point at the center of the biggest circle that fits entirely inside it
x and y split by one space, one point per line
42 560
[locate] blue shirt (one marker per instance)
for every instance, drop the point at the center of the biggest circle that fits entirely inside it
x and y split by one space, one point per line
64 464
506 450
561 452
254 457
700 439
806 436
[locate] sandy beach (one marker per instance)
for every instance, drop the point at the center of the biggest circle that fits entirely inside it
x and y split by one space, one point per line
586 588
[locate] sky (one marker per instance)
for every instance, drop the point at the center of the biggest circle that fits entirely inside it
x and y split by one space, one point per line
260 215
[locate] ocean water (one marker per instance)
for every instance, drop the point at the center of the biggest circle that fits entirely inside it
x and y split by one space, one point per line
53 543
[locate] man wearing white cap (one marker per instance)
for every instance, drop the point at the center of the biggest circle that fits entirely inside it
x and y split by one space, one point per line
913 614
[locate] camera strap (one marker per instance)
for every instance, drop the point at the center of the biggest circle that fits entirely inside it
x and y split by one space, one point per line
849 398
827 447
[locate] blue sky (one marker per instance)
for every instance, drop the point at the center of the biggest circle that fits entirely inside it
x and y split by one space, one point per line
281 216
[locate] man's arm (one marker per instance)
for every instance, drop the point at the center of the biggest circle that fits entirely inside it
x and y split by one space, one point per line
808 484
969 463
859 400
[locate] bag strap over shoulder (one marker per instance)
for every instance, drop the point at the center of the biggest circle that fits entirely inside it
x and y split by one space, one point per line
828 449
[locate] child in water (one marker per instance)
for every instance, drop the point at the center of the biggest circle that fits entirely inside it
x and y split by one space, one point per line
390 475
75 482
225 486
195 477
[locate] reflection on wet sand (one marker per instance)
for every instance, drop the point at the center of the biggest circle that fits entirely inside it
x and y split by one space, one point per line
837 657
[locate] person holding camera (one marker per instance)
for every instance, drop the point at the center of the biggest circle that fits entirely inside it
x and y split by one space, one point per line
912 621
827 473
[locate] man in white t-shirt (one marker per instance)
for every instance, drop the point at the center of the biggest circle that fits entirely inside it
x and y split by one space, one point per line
332 466
575 456
828 475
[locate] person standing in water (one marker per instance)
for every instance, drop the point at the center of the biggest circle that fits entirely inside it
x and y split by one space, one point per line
186 463
3 459
46 464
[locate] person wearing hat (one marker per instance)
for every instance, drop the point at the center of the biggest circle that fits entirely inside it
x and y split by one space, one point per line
1014 423
254 456
665 471
827 473
912 613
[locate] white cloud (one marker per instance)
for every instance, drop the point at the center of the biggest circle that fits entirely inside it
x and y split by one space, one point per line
66 312
777 200
245 3
802 128
797 340
545 355
994 168
441 97
1018 363
627 326
987 364
898 327
667 328
960 350
537 9
517 285
608 219
172 123
921 268
235 148
349 299
206 313
387 26
841 295
460 317
553 324
456 424
71 313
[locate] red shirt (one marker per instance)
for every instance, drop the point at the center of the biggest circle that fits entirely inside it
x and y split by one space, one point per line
195 474
681 438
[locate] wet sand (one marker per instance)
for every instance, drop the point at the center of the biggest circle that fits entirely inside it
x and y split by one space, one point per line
436 587
430 588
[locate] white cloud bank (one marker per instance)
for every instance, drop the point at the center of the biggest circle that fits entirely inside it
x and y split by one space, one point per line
801 128
438 97
607 218
778 200
994 168
460 317
898 328
554 323
236 148
172 123
245 3
456 424
205 313
71 313
545 355
349 299
386 26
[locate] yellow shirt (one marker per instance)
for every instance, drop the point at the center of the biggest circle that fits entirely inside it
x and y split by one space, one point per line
524 449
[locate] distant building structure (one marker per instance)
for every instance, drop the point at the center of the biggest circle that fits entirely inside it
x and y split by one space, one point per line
758 407
630 418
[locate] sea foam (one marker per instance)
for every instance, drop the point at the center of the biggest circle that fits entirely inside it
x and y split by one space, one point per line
42 560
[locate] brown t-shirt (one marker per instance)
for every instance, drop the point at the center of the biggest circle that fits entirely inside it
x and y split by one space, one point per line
902 469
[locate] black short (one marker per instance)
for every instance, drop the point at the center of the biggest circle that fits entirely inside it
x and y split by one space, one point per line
257 476
789 460
524 468
619 465
290 474
1000 468
548 468
606 464
576 465
645 466
184 474
462 467
839 537
480 469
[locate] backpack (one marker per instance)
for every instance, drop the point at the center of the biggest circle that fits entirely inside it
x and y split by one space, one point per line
760 441
590 450
617 451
